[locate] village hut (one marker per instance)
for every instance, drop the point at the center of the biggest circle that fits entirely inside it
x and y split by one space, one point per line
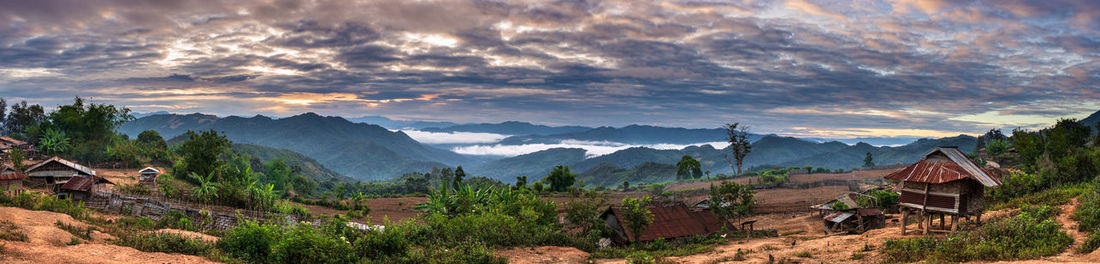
148 175
944 182
855 220
83 187
851 212
7 144
11 180
56 171
669 222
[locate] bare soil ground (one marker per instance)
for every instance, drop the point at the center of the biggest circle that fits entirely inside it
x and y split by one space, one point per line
812 245
46 243
395 209
185 233
541 255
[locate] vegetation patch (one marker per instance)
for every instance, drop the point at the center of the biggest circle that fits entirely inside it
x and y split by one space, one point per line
1028 235
11 232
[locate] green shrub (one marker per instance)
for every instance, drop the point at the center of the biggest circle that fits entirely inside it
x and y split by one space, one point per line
1028 235
1088 211
460 253
1091 243
165 242
305 244
1057 195
138 223
81 232
250 241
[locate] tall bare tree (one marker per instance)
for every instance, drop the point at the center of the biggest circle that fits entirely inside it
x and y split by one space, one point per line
738 137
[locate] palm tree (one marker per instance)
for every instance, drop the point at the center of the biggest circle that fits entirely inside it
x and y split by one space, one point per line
207 188
53 141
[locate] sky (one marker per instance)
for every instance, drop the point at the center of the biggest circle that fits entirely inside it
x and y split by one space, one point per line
831 69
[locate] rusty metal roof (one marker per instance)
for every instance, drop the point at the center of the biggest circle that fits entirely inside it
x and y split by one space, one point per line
83 183
67 163
956 167
12 140
9 173
674 221
838 217
149 170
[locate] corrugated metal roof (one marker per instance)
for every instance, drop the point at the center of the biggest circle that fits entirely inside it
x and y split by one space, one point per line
149 169
67 163
82 183
9 173
12 140
674 221
937 171
838 217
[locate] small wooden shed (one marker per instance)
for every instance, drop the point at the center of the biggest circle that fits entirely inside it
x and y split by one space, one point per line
148 175
944 182
11 180
56 171
83 187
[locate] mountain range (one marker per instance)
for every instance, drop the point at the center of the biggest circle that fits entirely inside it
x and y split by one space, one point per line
364 151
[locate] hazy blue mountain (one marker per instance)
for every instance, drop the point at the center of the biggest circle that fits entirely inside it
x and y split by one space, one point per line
362 151
533 165
1091 120
769 150
397 124
632 134
511 128
140 115
852 156
310 168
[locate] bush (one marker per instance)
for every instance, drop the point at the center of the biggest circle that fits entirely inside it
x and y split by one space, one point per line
165 242
305 244
1016 184
1091 243
250 241
1028 235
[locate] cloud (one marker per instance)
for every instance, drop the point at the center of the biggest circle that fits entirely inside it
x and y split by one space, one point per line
832 65
453 137
592 148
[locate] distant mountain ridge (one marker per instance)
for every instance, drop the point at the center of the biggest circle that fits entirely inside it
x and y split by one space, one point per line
361 151
632 134
510 128
609 170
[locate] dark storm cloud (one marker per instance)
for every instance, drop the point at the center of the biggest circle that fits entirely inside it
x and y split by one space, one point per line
873 64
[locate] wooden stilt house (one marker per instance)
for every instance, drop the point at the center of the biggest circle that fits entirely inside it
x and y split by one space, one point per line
55 172
944 182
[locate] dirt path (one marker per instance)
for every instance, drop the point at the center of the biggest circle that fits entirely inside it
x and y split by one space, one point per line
185 233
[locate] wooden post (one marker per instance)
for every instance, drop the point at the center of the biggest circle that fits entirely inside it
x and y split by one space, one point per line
942 223
979 218
904 219
954 223
928 218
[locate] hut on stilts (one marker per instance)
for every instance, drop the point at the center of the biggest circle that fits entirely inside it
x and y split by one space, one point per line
943 183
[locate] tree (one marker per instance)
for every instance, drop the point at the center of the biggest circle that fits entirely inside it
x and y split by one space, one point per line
707 172
152 138
201 150
89 122
17 156
1066 135
868 160
739 144
636 215
1029 146
521 182
687 167
996 147
53 142
459 174
21 118
3 113
537 186
731 200
626 185
583 211
207 187
560 179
